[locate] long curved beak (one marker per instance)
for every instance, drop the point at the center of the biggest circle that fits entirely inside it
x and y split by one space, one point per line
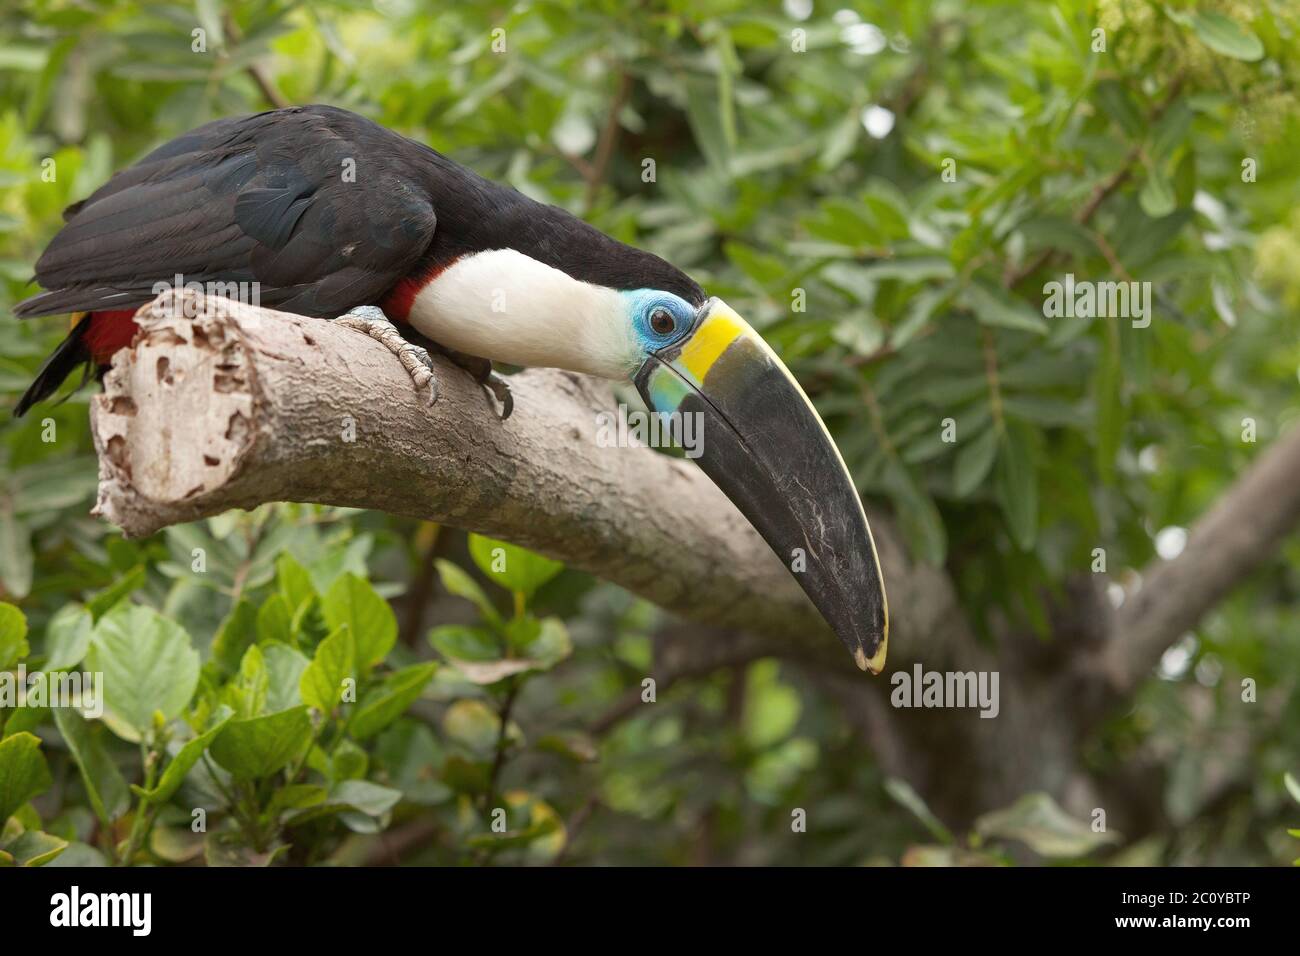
765 446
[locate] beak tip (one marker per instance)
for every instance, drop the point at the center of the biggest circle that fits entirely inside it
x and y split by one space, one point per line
873 664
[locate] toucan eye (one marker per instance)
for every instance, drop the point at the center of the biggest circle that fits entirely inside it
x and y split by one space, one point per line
662 321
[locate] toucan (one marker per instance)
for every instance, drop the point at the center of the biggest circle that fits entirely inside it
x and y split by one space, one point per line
327 214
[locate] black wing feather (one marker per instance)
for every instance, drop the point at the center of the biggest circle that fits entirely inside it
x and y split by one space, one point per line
256 199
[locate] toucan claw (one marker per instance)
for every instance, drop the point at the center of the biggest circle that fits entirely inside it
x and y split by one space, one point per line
371 321
483 373
496 383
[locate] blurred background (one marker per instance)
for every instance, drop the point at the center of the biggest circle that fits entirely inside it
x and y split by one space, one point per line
913 174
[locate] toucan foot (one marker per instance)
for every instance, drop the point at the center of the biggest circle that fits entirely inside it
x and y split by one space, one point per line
372 321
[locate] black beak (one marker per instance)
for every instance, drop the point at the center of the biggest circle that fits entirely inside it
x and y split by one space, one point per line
765 446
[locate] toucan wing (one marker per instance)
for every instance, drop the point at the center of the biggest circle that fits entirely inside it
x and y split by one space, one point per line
311 203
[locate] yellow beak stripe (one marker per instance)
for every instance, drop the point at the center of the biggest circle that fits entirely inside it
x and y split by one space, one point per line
710 340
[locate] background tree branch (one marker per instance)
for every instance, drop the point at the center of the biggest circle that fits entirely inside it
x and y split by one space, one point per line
1240 532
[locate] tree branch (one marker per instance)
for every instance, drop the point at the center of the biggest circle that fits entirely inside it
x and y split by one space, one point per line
238 406
1239 533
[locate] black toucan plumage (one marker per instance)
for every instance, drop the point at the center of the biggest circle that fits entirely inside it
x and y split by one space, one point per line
323 213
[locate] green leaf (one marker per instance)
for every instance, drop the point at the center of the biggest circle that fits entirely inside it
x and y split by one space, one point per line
1157 196
107 599
294 582
545 645
1292 786
839 140
16 560
67 637
456 642
390 700
763 268
910 800
512 567
1224 35
1017 486
369 798
353 602
919 518
148 665
705 120
975 461
298 796
284 669
1170 131
321 684
457 582
573 745
104 785
1046 410
846 222
275 620
993 306
48 486
247 693
348 761
1037 821
223 848
920 310
473 724
1117 104
29 717
359 803
184 760
534 827
209 17
260 746
409 751
237 632
13 636
23 773
34 848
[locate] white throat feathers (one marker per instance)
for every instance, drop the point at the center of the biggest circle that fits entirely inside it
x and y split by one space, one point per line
508 307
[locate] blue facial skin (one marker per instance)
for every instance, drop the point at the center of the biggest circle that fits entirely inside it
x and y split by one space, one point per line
641 303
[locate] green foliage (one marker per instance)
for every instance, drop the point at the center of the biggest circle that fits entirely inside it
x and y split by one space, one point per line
291 746
285 688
